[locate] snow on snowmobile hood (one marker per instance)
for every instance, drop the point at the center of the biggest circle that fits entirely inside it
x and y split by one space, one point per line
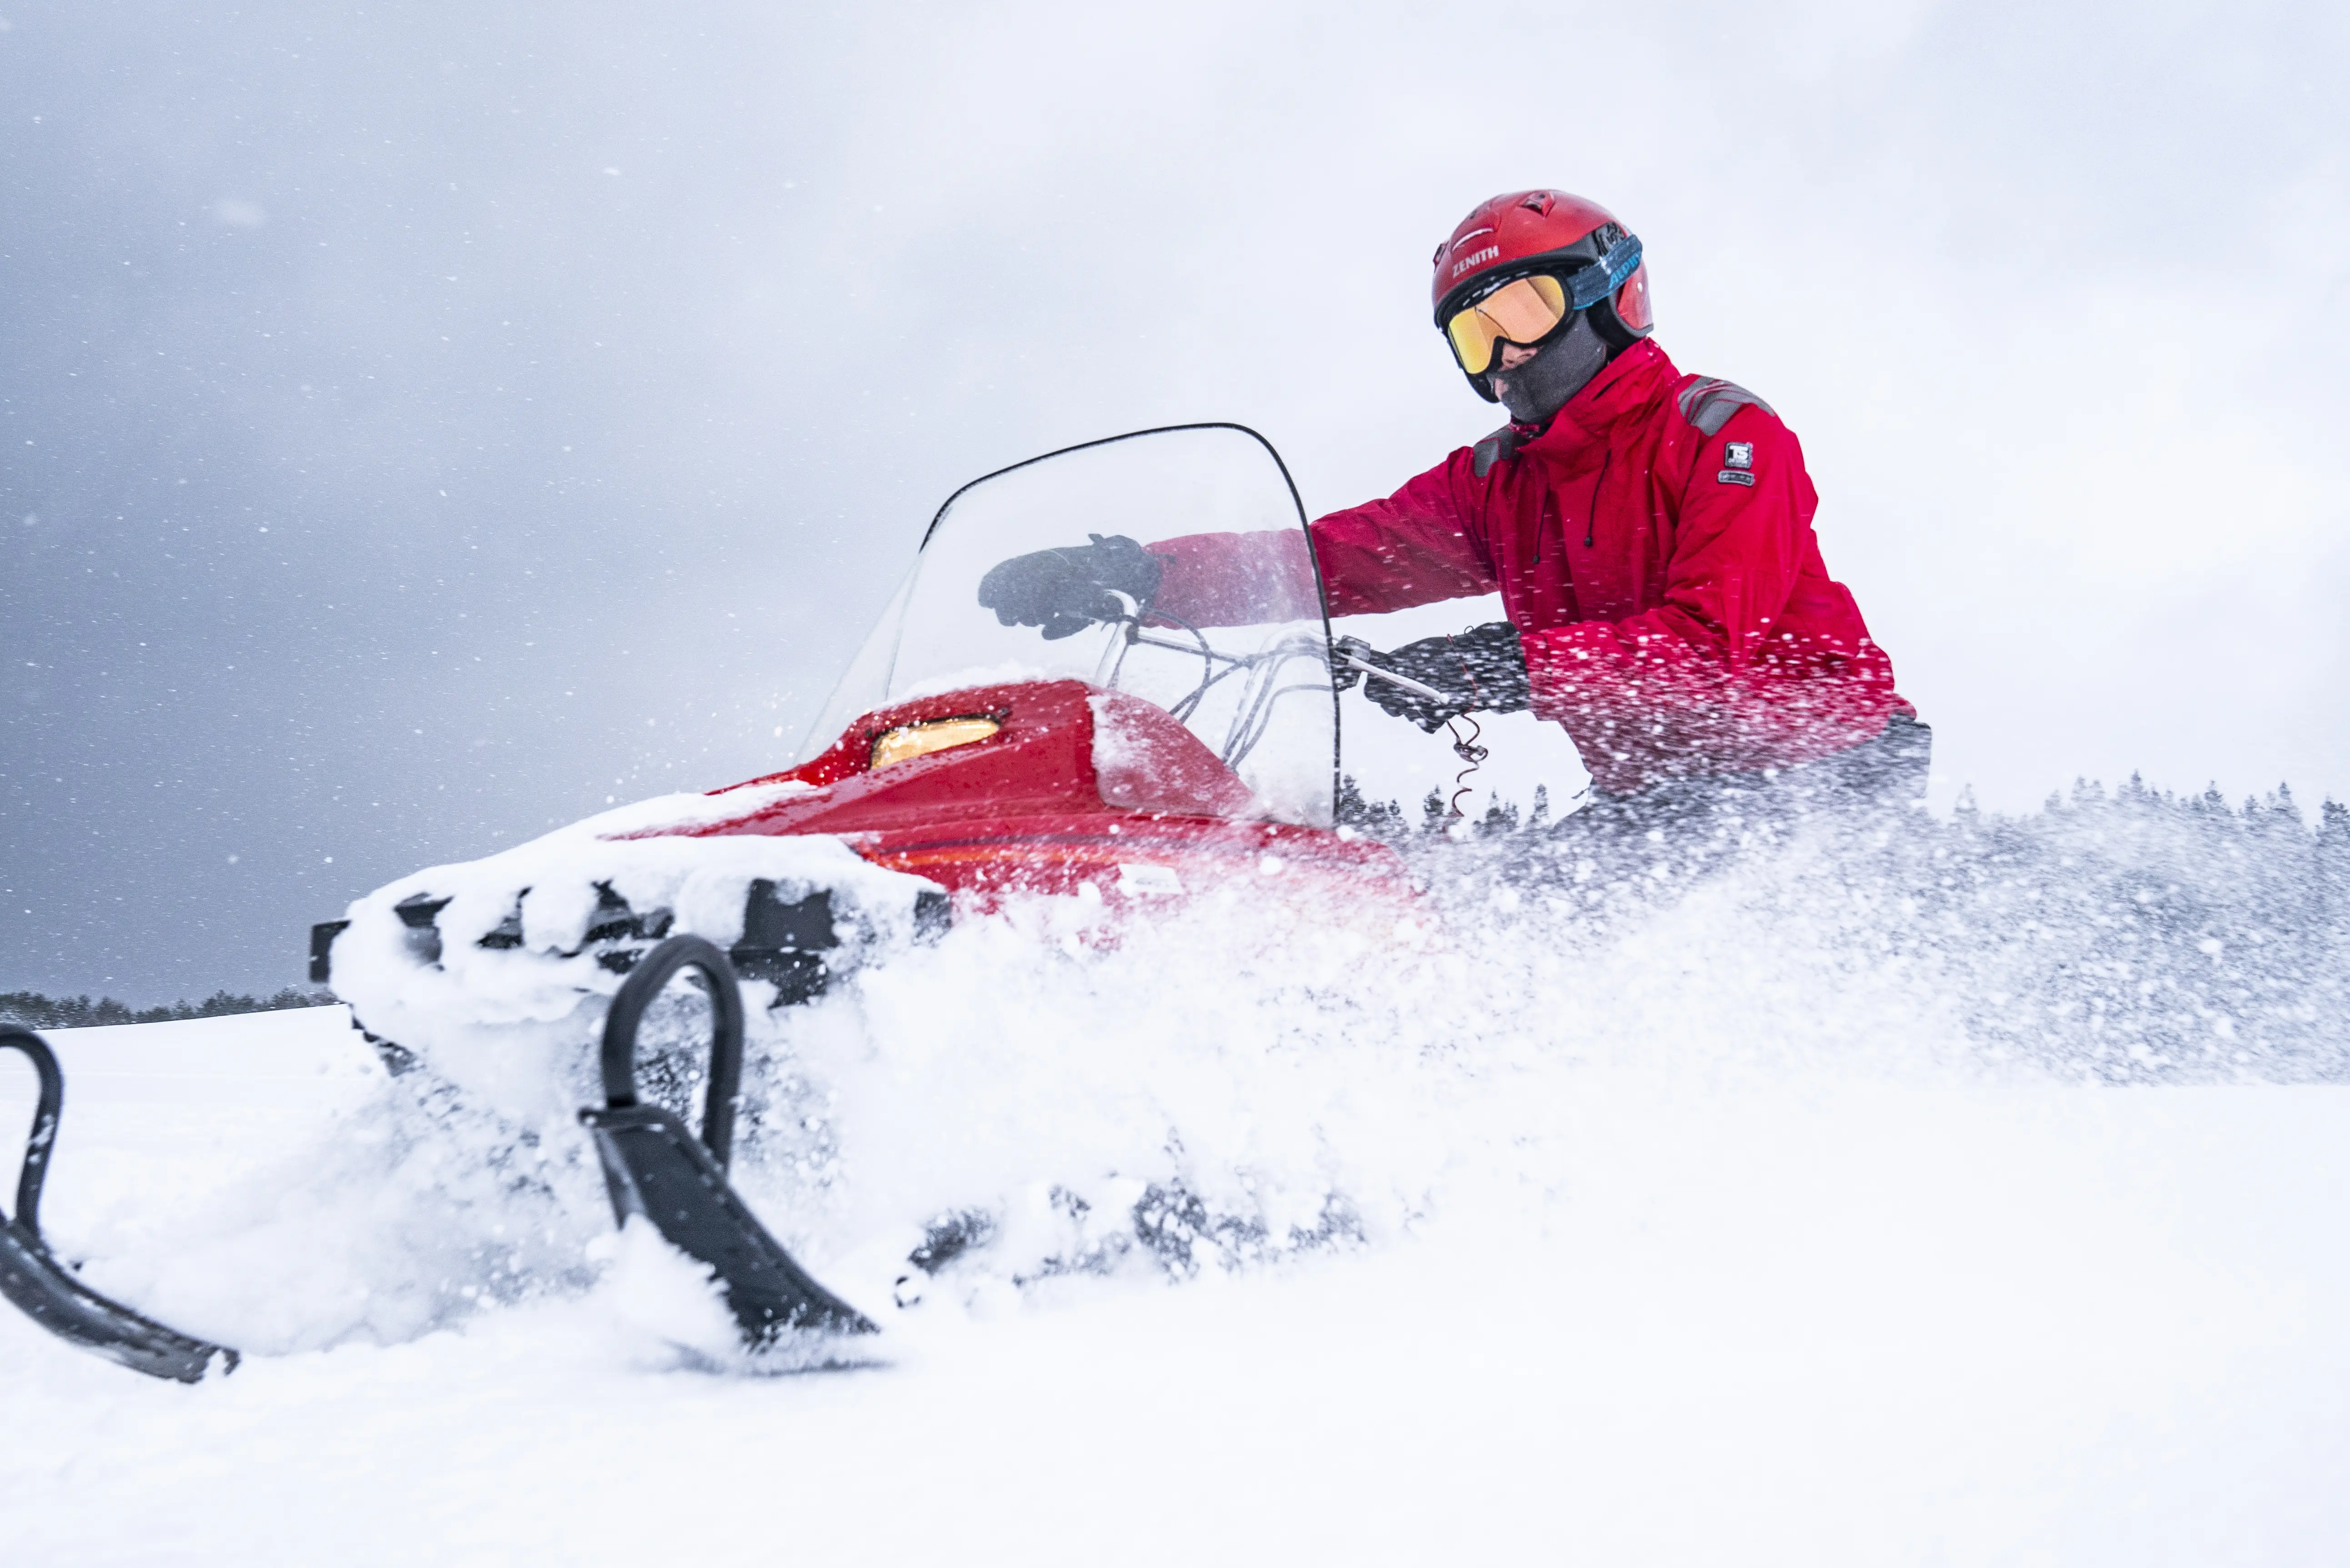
518 947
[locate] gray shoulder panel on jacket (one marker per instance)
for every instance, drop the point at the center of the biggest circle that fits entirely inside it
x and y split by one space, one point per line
1499 447
1709 401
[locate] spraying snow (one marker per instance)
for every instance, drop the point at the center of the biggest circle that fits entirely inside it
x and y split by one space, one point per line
1729 1192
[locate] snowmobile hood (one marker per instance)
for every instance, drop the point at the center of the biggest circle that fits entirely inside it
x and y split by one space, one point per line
1056 747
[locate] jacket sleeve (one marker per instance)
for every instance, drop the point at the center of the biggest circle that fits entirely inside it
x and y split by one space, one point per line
1414 547
1694 684
1422 544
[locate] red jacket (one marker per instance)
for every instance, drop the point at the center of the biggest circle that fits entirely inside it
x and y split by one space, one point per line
1653 545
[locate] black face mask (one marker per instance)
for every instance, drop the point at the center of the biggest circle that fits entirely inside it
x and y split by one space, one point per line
1560 368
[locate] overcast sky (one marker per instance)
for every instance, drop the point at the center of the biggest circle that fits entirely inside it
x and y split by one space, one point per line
421 422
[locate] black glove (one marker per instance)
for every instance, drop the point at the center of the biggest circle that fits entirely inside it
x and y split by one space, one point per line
1068 589
1481 670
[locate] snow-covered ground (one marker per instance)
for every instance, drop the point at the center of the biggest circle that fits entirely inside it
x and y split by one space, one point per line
1640 1260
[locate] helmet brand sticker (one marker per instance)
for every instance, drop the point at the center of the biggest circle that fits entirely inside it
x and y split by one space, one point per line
1734 476
1465 262
1738 454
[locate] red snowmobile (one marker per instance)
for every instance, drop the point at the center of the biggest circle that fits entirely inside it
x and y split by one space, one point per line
1111 754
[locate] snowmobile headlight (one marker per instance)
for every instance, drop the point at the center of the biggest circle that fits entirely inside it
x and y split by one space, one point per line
906 742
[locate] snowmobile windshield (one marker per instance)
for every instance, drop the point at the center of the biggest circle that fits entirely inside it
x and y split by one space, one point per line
1234 642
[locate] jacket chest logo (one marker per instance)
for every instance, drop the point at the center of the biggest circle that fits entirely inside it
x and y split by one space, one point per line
1737 464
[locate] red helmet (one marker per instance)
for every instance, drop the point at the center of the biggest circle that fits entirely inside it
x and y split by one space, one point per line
1543 231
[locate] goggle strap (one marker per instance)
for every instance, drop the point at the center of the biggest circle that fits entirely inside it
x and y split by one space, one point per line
1588 285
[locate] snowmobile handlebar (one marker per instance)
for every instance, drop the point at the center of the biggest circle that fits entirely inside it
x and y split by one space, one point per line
1349 656
646 981
44 1136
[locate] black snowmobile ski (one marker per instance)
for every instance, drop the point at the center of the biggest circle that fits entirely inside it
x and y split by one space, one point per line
654 1167
32 1277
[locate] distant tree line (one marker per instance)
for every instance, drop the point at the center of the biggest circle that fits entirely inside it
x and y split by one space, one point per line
2279 813
34 1011
1385 819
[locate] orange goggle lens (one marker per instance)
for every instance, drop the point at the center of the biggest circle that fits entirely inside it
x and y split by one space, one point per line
1524 311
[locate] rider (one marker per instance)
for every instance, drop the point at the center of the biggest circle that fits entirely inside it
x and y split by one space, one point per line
1649 534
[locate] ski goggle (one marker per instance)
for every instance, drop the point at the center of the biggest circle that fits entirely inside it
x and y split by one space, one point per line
1527 309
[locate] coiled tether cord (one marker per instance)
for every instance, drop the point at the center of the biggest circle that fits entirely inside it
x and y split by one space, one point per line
1465 747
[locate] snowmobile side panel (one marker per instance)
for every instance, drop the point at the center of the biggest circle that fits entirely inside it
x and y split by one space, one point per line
654 1167
46 1291
1146 859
